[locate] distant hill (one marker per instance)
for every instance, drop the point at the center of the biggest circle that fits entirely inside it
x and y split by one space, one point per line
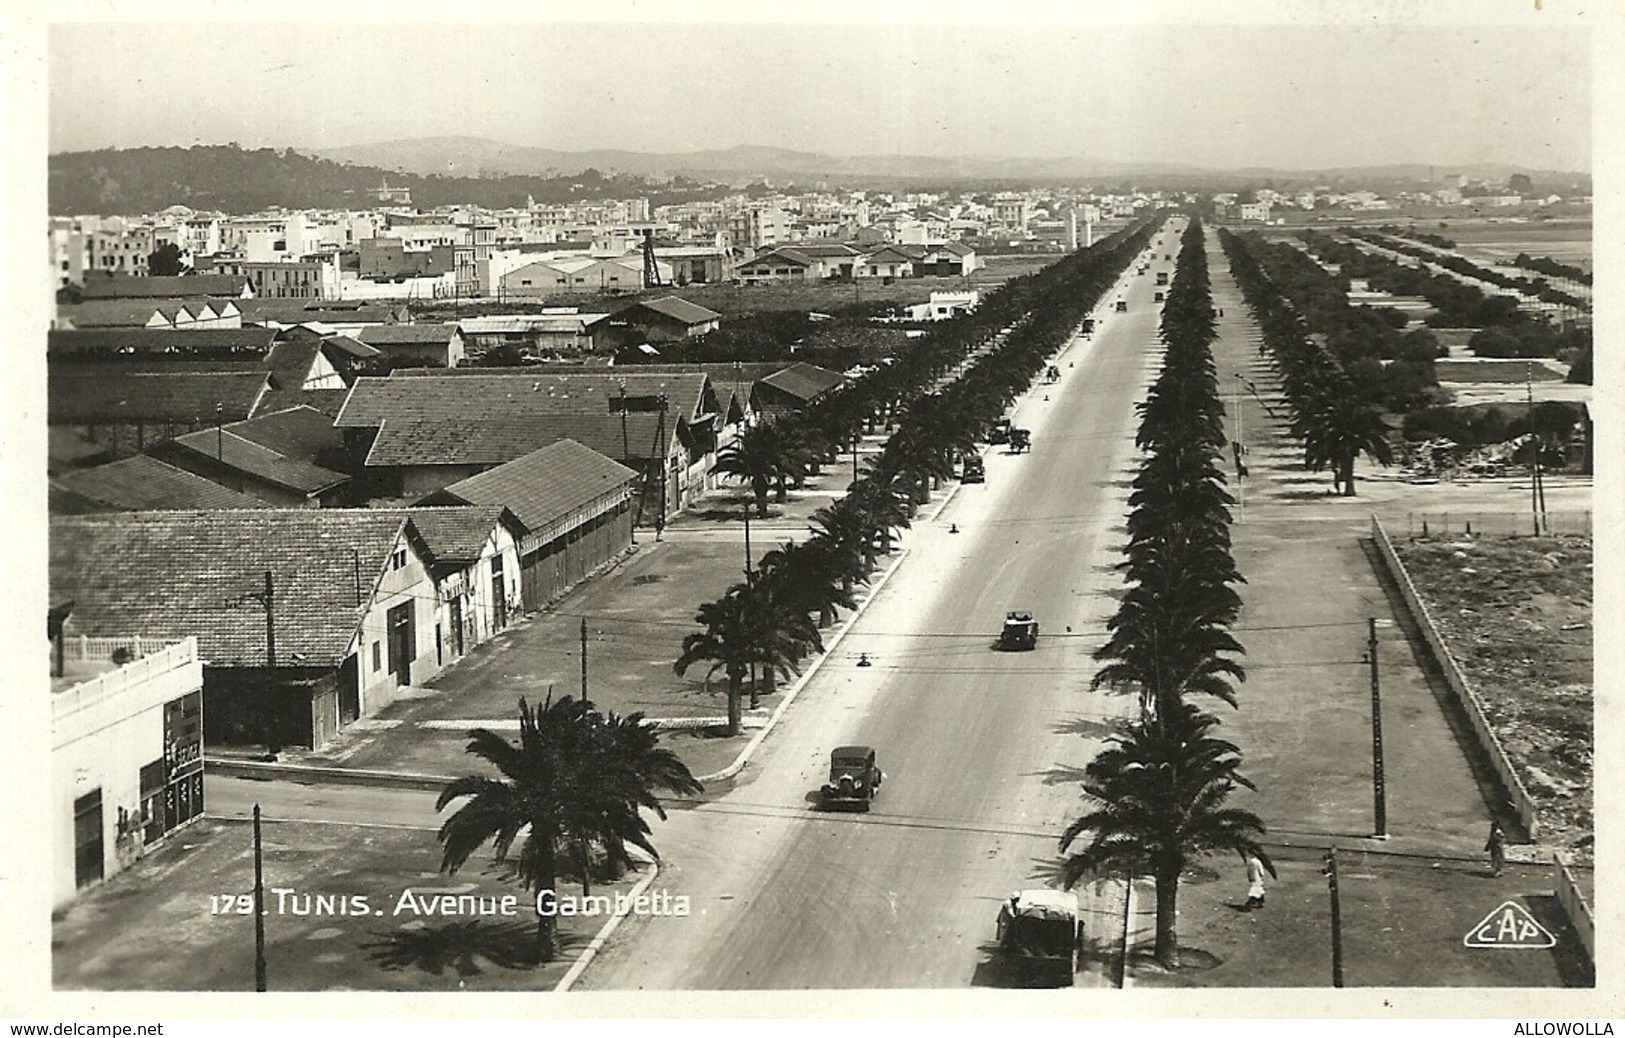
450 170
234 180
468 156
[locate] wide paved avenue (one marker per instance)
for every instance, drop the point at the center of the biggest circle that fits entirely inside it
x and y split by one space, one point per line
970 739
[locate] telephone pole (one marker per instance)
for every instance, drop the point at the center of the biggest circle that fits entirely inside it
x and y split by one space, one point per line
1537 504
1337 918
583 658
1379 790
259 908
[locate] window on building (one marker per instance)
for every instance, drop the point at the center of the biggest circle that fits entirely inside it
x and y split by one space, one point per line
398 560
377 657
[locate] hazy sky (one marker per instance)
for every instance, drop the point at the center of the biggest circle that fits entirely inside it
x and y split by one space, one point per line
1287 96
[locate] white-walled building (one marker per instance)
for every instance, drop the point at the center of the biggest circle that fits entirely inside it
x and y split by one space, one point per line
126 752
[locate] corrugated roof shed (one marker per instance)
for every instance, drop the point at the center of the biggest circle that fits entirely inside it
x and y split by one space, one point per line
678 310
476 441
140 483
427 397
160 340
105 396
456 534
173 574
545 485
263 463
414 334
805 382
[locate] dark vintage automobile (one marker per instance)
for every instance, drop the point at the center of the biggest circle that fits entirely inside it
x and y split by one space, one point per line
1020 440
1020 632
854 778
1000 433
1122 306
973 471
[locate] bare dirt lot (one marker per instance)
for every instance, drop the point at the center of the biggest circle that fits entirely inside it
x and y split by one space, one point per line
1516 613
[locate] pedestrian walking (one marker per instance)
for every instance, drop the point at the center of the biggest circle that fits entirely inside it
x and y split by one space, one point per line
1255 882
1496 845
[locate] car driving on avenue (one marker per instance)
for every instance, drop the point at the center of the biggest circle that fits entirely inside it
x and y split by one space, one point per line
854 777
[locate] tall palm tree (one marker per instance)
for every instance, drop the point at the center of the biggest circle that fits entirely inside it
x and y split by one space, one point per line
725 642
782 634
1159 792
808 574
762 456
530 798
1337 426
575 775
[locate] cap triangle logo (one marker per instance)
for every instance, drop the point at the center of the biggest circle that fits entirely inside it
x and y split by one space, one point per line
1509 926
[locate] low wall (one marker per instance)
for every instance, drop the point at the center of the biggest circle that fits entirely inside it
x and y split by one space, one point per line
1471 705
1574 903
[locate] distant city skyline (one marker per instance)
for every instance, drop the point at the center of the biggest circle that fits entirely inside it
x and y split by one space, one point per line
1218 97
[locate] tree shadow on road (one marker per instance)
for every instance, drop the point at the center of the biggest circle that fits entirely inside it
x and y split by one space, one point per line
465 948
1090 727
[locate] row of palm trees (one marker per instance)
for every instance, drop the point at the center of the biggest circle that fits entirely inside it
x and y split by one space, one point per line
575 785
940 397
1336 417
1158 791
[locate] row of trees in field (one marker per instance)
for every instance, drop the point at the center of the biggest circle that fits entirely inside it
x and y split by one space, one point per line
1160 789
937 400
1535 287
1337 414
1552 268
573 789
1503 329
1393 364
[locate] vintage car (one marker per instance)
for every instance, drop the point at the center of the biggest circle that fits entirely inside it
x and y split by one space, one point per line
1000 433
1020 632
1020 440
854 778
1122 306
973 470
1040 935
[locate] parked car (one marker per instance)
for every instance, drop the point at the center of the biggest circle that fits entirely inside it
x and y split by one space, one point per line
1020 440
973 471
854 777
1000 433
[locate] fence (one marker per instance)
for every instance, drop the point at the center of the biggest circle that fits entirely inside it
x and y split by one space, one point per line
81 650
1494 524
1471 705
1574 902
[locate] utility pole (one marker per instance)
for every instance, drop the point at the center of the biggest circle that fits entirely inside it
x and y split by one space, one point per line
749 575
583 659
1337 918
1536 508
268 599
1379 790
259 908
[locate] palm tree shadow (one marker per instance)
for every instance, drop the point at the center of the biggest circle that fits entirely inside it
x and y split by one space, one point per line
463 947
1090 727
1064 775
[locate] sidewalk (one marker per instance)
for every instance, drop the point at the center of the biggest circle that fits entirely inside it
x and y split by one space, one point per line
638 614
1304 726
